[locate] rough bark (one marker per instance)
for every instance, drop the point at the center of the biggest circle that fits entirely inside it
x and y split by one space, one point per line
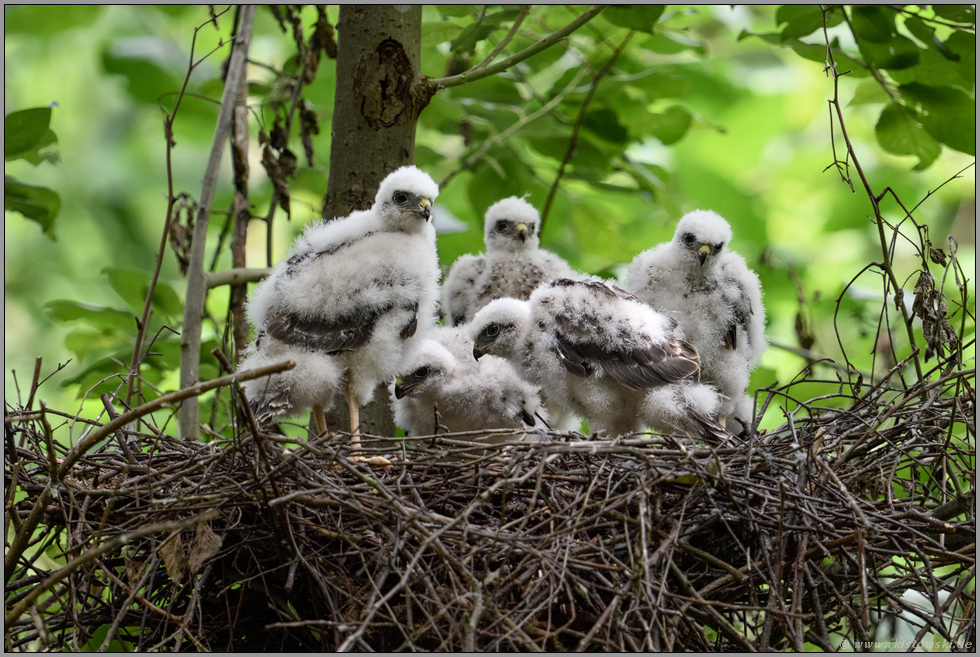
242 214
380 93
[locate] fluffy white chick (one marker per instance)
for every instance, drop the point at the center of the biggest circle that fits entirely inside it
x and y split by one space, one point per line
347 302
716 299
470 395
513 266
598 350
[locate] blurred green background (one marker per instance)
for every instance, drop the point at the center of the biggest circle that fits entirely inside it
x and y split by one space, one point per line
695 113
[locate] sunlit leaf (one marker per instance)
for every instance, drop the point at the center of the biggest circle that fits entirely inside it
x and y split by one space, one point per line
869 92
99 317
24 129
41 21
947 113
957 13
38 204
897 53
670 125
635 17
900 133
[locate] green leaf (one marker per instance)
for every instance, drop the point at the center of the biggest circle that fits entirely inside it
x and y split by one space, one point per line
671 125
898 53
99 317
23 130
456 11
146 63
919 29
436 32
900 133
873 24
817 53
132 285
803 20
869 92
964 45
957 13
604 123
670 43
38 204
933 69
46 20
947 113
473 33
635 17
35 156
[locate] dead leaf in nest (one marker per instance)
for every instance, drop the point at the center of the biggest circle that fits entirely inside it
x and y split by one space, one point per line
133 567
938 256
930 307
174 558
206 545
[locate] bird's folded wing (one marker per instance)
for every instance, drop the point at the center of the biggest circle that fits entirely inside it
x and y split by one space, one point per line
741 308
328 335
645 365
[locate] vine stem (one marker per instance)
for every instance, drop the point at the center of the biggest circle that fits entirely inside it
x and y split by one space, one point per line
190 341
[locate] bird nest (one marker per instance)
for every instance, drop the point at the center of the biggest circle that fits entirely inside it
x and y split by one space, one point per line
809 535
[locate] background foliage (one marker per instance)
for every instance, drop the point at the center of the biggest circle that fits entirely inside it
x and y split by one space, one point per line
715 107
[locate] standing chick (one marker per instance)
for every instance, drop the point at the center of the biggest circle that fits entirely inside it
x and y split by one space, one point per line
716 299
346 303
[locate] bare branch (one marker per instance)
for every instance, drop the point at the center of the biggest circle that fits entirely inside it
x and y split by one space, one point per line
530 51
190 342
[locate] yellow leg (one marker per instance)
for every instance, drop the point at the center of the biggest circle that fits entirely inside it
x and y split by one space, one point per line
354 407
320 419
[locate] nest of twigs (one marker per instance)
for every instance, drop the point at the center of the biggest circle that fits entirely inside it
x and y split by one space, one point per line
808 534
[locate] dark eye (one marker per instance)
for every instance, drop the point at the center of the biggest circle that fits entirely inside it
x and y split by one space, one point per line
401 198
530 228
501 226
688 239
719 246
493 330
421 373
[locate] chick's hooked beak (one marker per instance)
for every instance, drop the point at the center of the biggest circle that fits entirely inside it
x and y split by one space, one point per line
522 232
425 208
400 388
478 351
703 252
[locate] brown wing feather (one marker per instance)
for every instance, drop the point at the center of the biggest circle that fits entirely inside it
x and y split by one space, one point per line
342 335
647 366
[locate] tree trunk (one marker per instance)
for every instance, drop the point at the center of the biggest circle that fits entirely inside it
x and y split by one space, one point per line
376 107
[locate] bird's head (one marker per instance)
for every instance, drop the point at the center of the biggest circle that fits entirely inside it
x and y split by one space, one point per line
510 224
405 199
426 371
496 327
704 234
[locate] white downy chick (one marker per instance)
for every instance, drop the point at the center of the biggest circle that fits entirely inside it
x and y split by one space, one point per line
514 265
347 302
603 353
716 299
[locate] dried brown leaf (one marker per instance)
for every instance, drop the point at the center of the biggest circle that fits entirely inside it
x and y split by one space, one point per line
174 558
206 545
